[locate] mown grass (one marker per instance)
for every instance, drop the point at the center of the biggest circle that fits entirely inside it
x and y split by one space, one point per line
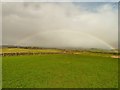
60 71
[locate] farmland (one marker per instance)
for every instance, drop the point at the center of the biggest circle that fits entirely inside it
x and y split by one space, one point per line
33 51
63 70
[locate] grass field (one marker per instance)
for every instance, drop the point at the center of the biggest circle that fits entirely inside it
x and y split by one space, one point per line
60 71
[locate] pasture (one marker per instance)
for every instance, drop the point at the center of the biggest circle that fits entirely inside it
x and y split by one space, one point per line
60 71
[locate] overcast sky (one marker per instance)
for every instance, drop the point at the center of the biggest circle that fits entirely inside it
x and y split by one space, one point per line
58 25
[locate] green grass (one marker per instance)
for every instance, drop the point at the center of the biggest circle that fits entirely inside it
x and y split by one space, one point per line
60 71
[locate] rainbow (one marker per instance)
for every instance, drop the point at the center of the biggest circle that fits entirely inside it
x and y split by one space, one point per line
37 33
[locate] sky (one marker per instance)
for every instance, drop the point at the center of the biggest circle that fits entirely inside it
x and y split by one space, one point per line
61 25
60 0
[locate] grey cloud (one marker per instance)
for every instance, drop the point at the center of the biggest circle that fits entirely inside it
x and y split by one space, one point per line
59 25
